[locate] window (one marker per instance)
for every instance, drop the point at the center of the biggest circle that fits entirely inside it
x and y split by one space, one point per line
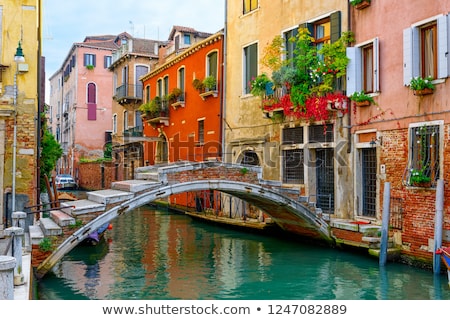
362 70
159 88
92 101
89 59
428 61
147 94
292 135
250 65
293 169
125 120
201 132
425 150
187 39
293 155
211 64
250 5
250 158
425 51
138 120
114 124
322 32
181 83
107 61
289 43
166 85
326 30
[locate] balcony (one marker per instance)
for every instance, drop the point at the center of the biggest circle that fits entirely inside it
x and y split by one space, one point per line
133 132
129 93
123 50
161 116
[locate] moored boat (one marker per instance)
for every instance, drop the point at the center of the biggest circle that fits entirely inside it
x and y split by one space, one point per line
445 256
94 238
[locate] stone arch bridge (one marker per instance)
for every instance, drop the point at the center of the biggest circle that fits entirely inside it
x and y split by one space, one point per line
152 183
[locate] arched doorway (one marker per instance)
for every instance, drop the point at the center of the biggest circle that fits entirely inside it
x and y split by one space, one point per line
162 150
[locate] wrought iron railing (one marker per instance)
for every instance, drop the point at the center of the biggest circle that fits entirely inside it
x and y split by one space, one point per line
130 91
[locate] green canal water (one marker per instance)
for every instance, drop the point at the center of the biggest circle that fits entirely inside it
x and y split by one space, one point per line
155 254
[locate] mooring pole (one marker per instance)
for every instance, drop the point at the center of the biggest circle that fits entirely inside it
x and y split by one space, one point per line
438 225
385 223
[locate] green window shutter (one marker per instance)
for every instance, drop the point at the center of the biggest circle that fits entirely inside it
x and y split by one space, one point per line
335 22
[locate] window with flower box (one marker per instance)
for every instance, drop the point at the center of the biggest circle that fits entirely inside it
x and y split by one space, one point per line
425 49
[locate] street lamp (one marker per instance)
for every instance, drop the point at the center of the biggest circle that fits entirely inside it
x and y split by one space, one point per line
18 58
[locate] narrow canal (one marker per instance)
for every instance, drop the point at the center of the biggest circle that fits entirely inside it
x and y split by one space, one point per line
155 254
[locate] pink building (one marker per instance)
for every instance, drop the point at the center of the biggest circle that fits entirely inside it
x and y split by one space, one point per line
402 137
80 102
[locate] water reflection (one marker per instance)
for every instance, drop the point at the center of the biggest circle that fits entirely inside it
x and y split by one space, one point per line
157 255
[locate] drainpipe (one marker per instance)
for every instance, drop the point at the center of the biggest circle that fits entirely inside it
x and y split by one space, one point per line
224 85
438 225
41 106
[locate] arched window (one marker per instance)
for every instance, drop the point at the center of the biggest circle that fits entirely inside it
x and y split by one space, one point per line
92 101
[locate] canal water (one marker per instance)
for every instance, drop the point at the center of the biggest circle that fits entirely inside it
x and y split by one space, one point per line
156 254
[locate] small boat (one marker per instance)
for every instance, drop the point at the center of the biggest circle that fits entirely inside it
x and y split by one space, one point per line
445 256
94 238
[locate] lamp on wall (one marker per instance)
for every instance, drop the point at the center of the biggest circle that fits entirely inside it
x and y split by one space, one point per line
18 58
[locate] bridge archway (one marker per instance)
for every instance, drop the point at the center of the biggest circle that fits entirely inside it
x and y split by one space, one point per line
289 214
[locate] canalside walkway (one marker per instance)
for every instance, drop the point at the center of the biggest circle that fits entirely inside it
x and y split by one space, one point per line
24 291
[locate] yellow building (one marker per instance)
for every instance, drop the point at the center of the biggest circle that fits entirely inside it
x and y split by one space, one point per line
20 80
293 152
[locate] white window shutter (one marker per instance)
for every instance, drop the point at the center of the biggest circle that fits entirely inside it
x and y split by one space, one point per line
353 70
442 44
415 52
407 56
376 65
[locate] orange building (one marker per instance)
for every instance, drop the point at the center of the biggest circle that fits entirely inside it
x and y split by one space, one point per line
182 105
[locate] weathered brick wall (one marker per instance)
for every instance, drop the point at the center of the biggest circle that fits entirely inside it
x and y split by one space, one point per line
219 173
347 235
418 205
91 177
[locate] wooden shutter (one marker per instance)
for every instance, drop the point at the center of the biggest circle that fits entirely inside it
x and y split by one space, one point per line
376 65
354 70
442 44
335 24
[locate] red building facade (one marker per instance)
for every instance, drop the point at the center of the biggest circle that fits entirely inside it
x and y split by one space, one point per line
182 106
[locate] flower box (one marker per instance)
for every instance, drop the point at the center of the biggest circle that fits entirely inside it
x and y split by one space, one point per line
362 103
423 92
362 5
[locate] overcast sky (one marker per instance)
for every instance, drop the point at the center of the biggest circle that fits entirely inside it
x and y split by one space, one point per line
66 22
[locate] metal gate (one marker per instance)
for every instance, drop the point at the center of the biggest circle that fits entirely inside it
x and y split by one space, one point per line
369 182
325 180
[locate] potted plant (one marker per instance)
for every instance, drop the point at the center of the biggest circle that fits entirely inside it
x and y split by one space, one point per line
422 86
198 85
174 95
361 99
419 177
360 4
89 67
259 84
210 83
151 108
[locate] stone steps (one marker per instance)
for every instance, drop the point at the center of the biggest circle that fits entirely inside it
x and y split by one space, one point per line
96 202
